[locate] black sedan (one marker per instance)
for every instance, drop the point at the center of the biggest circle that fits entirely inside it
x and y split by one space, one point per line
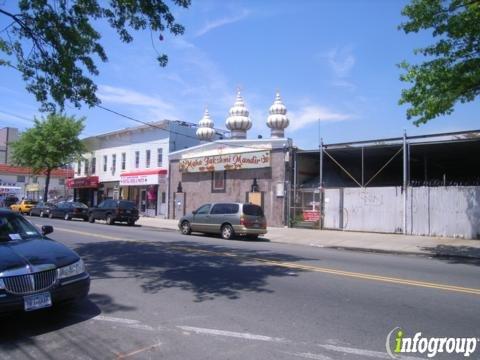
42 209
35 271
69 210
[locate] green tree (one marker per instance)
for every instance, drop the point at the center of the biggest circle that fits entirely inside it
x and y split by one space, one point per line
451 71
55 44
50 144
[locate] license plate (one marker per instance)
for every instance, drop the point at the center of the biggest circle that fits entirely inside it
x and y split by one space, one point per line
128 211
37 301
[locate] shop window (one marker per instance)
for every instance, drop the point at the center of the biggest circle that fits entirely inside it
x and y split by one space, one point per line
61 181
21 178
114 163
34 179
137 159
86 166
105 163
94 165
147 158
218 181
124 161
159 157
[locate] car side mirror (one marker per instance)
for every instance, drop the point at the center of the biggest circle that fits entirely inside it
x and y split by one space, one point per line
194 212
47 229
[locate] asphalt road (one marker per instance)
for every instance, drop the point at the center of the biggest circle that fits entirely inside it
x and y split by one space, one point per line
161 295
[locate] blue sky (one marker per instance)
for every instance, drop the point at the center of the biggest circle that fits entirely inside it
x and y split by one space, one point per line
330 60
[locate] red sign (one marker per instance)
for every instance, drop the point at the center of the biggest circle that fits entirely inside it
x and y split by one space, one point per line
83 183
311 215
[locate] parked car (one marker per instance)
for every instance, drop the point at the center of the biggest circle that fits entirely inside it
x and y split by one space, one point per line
23 206
35 271
226 219
69 210
10 200
114 210
42 209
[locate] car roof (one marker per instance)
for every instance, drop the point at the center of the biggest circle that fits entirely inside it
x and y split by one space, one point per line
4 212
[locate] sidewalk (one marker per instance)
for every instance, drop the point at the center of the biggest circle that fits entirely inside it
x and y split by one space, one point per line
360 241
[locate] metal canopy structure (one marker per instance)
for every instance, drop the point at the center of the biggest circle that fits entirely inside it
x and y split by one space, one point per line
430 160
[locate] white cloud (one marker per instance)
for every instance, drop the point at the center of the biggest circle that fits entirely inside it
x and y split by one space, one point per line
211 25
341 61
119 95
311 114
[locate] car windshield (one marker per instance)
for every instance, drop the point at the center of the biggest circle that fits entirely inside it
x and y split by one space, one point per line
79 205
15 227
127 204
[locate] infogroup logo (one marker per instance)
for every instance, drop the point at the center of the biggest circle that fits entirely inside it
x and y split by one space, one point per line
397 343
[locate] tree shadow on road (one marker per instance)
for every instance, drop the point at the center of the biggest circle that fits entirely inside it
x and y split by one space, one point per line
455 254
207 271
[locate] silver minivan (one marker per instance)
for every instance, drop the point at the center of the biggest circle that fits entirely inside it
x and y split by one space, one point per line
226 219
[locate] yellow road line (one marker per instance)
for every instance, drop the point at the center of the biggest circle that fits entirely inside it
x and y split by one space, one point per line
291 265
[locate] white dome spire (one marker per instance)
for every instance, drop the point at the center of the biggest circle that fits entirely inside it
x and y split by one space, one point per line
277 120
238 121
205 131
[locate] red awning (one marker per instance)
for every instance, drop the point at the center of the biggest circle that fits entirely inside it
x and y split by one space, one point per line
158 171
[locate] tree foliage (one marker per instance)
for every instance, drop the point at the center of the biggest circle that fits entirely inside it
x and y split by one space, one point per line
451 71
55 44
51 143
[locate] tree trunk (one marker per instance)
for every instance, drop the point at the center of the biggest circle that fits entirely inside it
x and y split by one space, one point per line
47 184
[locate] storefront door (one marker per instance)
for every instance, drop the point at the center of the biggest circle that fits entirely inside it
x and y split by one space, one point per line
143 200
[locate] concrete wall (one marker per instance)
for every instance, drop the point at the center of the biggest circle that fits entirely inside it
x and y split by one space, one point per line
434 211
198 187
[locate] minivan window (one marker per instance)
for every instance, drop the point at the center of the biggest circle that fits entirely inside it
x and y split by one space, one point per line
225 209
253 210
203 209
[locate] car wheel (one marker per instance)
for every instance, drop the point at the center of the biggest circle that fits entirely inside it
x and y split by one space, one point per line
30 214
41 214
185 228
85 218
91 219
110 220
227 232
130 222
67 217
50 216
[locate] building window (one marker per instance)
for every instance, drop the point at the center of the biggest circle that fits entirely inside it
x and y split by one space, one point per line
147 158
21 178
79 167
114 163
94 165
34 179
124 161
61 181
218 181
105 163
159 157
86 166
137 159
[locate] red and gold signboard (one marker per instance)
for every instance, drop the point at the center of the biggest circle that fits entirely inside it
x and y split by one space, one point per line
83 183
311 215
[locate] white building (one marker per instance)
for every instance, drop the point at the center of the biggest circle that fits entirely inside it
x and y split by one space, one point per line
132 164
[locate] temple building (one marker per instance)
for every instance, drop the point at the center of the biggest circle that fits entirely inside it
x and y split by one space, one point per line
237 169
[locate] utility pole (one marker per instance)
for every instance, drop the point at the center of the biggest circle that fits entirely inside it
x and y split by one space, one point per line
405 159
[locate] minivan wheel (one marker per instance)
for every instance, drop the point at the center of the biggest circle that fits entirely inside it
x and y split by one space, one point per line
91 219
110 220
41 214
185 228
50 216
227 232
67 217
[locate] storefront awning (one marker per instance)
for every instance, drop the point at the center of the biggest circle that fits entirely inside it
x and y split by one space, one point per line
83 182
142 177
